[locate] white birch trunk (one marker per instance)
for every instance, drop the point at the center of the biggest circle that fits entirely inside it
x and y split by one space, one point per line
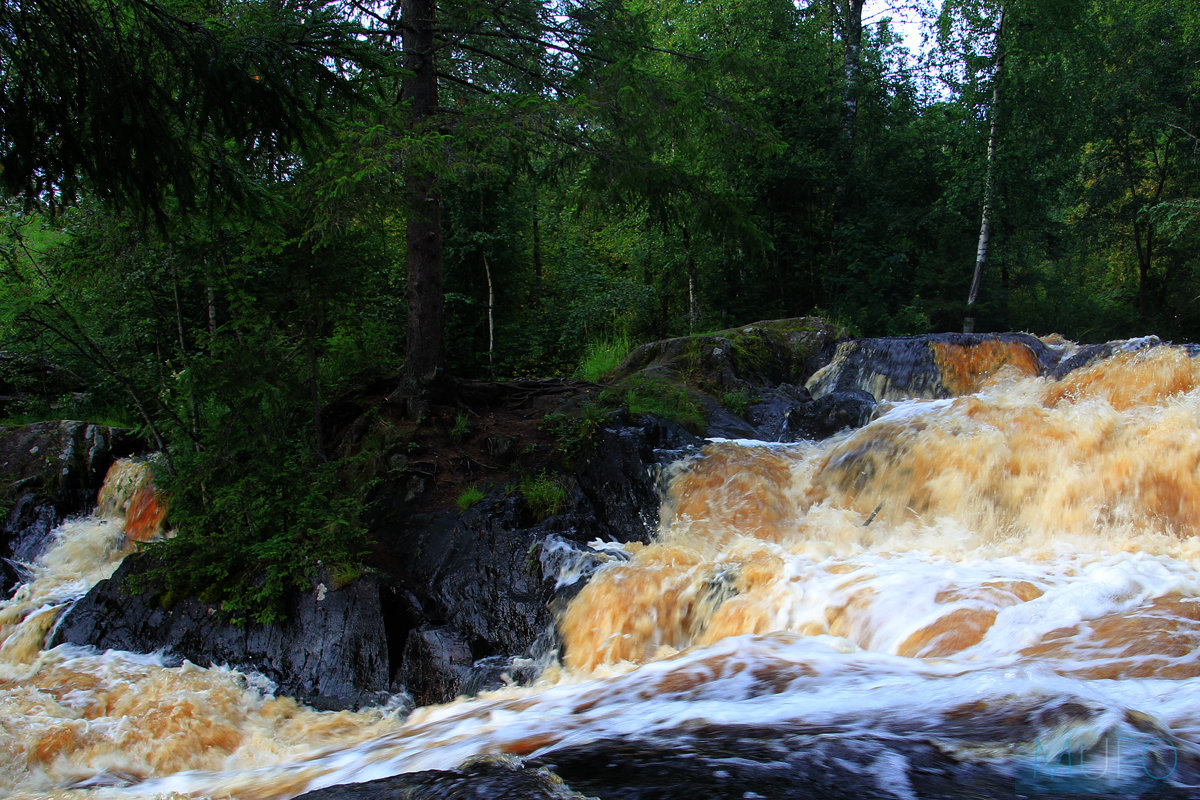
985 224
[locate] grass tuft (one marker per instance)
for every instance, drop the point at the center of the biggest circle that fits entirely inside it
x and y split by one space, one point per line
602 357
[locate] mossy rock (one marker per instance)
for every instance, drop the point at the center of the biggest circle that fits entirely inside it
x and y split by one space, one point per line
723 371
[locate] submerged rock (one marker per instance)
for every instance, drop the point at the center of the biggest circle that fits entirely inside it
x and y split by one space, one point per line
487 778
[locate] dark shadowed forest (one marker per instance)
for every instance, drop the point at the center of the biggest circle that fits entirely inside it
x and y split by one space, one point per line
219 217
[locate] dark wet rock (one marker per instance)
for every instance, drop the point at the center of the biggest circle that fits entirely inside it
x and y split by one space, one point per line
496 672
788 413
723 424
483 779
330 652
48 472
29 524
792 762
779 413
795 763
839 410
736 762
483 593
934 365
1089 354
467 602
477 573
488 580
10 577
437 664
618 479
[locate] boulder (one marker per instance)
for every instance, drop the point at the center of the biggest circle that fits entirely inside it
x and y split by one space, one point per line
437 664
742 382
330 652
933 365
488 580
619 478
759 354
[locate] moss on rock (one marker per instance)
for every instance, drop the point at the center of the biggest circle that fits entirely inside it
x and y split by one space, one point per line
695 376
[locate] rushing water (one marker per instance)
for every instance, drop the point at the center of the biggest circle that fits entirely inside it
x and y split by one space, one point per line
1011 578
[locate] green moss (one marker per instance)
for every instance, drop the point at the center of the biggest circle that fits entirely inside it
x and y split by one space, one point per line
532 557
642 395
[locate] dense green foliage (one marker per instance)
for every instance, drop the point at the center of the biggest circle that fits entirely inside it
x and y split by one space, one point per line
207 229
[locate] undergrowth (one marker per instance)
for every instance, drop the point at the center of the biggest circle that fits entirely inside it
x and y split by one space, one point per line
544 495
267 529
642 395
601 358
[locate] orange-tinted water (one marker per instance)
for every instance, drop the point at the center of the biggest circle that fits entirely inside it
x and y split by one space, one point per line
961 559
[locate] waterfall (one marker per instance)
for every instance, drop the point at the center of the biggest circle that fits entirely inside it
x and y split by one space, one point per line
989 594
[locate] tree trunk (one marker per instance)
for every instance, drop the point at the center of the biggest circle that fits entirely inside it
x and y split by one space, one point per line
693 310
1143 241
985 223
537 250
425 357
851 69
851 23
487 270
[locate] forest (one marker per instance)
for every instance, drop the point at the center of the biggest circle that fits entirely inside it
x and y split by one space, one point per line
218 217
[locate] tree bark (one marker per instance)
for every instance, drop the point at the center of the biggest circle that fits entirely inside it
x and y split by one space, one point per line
693 311
425 358
985 223
851 12
851 69
537 249
487 270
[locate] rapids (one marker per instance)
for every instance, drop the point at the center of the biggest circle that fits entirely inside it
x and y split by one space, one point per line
1007 579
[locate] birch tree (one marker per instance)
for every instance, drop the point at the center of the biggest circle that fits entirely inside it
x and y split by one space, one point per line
989 181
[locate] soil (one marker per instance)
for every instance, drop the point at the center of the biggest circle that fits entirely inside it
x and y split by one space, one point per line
470 434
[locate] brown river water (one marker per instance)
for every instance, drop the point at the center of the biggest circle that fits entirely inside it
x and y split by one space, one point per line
1019 565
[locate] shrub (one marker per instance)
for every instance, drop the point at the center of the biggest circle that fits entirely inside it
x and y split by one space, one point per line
264 529
469 497
461 428
573 432
544 495
738 402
